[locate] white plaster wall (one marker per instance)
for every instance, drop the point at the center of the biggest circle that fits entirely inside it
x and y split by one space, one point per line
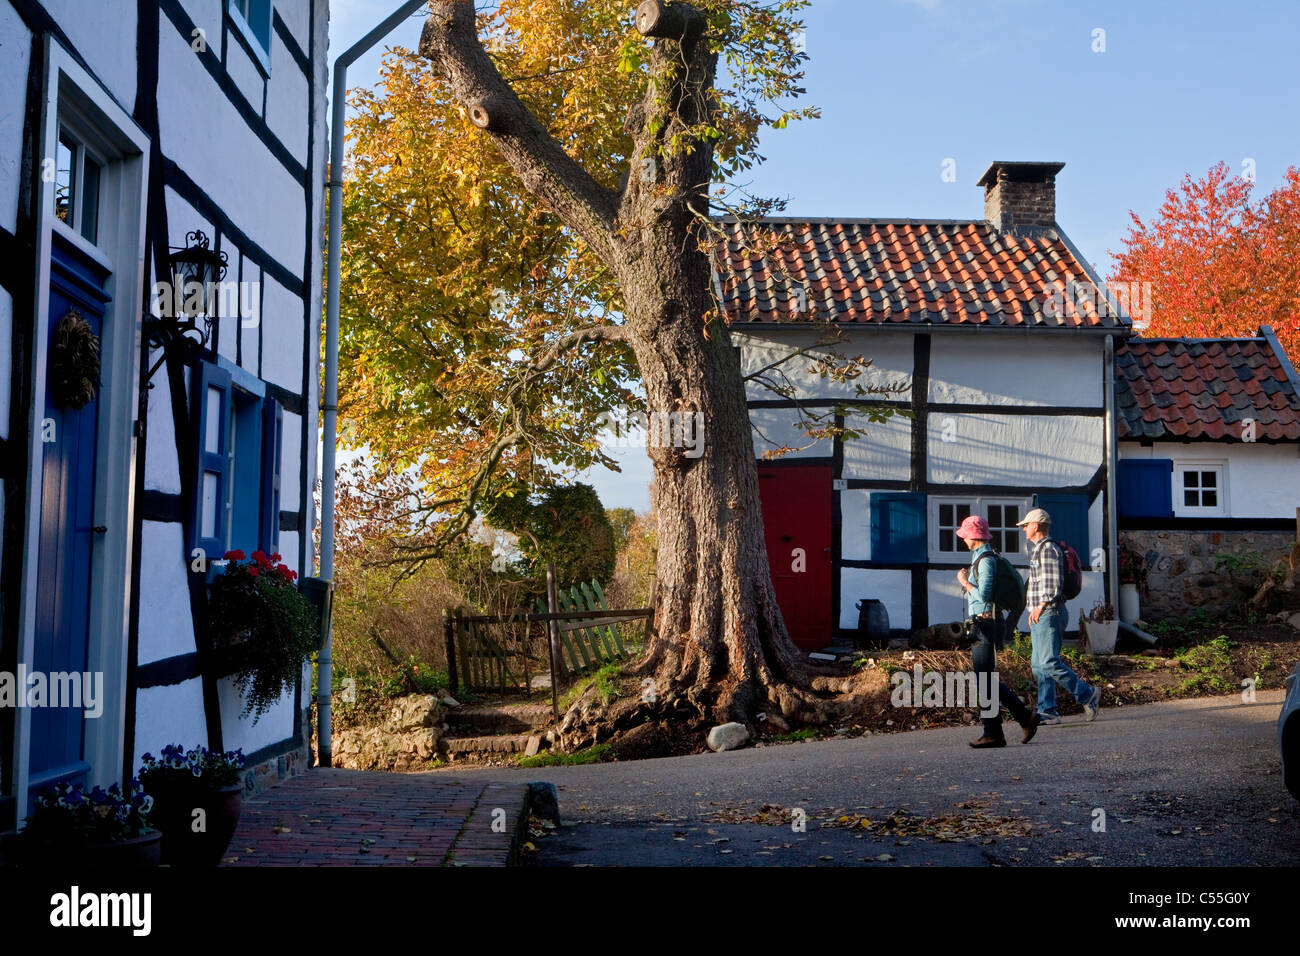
171 714
241 176
776 428
6 358
207 16
883 452
15 57
166 627
946 602
890 354
894 588
1047 451
289 549
246 73
1263 480
855 525
183 218
272 727
1010 368
296 14
287 97
161 469
290 462
251 323
104 33
282 320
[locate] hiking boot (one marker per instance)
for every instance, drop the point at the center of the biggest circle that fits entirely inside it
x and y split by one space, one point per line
987 741
1045 719
1030 729
1091 708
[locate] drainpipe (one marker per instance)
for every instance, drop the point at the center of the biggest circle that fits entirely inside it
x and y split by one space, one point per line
1112 465
330 405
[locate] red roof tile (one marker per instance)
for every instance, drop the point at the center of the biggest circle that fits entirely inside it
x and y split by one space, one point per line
904 271
1173 389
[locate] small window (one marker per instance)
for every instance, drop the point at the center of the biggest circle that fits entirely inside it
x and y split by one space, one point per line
77 175
951 515
1002 520
1199 488
252 18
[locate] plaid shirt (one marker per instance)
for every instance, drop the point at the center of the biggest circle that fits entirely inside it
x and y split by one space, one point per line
1045 574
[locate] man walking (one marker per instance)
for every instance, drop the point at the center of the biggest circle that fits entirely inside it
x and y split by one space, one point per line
1047 618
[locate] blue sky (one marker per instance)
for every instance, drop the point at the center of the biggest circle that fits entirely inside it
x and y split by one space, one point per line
905 85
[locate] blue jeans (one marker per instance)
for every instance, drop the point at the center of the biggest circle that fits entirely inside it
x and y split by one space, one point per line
1048 668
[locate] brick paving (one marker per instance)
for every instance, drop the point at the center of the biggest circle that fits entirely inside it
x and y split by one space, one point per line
329 817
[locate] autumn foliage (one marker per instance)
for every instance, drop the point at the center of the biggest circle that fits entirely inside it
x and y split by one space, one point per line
1219 262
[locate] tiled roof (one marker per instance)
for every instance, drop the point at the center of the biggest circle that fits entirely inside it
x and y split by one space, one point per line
952 272
1203 388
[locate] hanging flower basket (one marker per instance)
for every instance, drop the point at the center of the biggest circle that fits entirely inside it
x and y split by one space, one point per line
260 627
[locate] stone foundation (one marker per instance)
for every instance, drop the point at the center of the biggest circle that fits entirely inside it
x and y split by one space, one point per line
1182 574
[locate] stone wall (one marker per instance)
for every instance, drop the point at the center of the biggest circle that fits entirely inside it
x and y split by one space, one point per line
1181 568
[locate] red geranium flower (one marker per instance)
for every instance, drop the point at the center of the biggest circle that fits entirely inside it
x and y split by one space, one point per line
235 556
262 560
285 573
252 571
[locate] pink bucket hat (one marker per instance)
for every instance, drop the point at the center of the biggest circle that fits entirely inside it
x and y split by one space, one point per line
975 528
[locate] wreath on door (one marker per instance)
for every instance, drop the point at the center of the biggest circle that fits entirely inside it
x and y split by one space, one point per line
74 362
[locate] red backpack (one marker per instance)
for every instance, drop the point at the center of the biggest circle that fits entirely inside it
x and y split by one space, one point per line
1071 572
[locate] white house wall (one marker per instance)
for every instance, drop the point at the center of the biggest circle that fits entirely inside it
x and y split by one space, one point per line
892 588
242 157
1000 368
166 628
883 452
890 354
776 428
1263 480
15 59
1047 451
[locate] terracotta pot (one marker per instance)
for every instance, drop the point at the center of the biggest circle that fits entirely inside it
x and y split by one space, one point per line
173 814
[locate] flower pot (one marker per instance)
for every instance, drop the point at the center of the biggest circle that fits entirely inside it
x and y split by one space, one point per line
174 814
131 854
1130 605
1101 636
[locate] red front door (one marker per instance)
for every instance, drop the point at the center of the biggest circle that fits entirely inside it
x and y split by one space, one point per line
796 502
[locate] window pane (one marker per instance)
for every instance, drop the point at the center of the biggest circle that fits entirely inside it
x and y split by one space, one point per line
963 512
1210 498
1209 479
65 176
208 527
946 541
212 435
1013 543
945 516
1189 499
995 516
1189 480
1011 516
90 200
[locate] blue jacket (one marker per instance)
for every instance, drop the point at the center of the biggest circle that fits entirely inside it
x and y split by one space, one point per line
980 597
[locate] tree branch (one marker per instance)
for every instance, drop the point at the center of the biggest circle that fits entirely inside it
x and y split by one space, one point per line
450 41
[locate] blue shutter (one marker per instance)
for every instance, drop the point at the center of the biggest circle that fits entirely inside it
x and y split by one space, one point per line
272 428
1144 488
1069 515
212 398
898 528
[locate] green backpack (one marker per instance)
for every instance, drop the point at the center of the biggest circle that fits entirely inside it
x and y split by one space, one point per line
1008 589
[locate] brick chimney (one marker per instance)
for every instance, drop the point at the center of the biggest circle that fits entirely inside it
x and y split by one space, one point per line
1020 197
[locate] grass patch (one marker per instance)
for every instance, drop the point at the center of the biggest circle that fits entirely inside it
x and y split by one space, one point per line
807 733
1212 656
606 681
597 754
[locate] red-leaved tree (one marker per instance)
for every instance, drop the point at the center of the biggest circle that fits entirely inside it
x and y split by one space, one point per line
1218 263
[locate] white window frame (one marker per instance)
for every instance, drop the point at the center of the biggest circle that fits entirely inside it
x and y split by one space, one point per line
1023 504
932 524
261 53
69 92
1181 468
979 505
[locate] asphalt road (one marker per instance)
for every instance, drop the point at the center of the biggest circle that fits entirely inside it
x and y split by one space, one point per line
1192 782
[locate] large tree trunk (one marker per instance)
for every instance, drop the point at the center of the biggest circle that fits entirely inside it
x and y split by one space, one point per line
721 650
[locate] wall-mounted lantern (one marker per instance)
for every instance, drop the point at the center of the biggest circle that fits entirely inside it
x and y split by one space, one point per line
190 302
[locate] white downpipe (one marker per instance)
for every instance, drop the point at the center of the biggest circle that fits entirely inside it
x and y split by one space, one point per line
330 405
1112 465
